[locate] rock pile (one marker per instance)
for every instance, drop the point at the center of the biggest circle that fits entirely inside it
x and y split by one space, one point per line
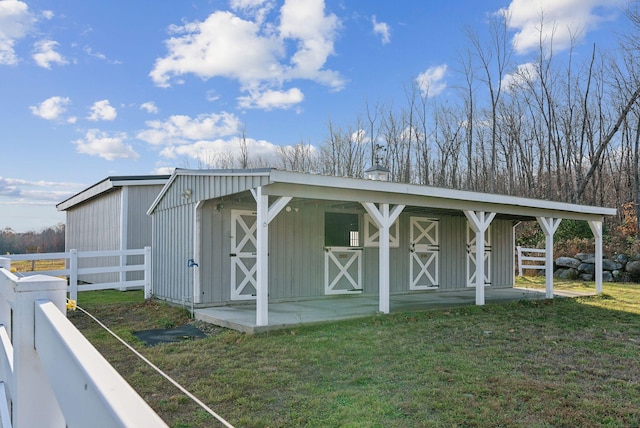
583 266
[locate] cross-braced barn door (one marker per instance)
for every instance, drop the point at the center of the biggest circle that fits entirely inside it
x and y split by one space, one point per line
342 270
243 255
471 256
425 253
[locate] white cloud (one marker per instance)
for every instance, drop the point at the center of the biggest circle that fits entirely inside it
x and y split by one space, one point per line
210 48
360 136
52 108
383 29
269 99
99 143
524 73
99 55
163 170
257 9
560 20
36 191
102 110
45 54
182 129
221 153
89 51
431 81
149 107
15 23
306 22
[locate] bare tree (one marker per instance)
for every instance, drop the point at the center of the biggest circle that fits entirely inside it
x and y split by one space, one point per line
244 149
494 58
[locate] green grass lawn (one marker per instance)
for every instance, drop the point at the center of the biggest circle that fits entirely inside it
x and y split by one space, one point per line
561 362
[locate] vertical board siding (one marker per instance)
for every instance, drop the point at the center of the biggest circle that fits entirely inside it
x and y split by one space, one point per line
95 226
205 187
172 247
502 265
139 223
453 252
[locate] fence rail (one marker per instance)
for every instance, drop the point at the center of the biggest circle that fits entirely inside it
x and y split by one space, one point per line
50 375
525 255
72 270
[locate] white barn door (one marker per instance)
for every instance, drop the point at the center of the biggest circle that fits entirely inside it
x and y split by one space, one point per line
243 255
425 253
342 270
471 256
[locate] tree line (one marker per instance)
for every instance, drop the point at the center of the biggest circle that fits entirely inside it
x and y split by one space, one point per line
559 127
48 240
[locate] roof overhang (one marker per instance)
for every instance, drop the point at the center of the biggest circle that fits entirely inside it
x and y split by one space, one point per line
330 188
359 190
108 184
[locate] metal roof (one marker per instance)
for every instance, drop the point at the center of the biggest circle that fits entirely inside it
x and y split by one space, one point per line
108 184
314 186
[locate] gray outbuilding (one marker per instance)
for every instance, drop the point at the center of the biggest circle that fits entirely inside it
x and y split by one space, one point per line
111 215
226 237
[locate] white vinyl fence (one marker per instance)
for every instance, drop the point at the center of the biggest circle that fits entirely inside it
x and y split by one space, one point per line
530 258
50 375
72 271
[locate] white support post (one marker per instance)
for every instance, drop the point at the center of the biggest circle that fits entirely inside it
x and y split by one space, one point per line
383 220
147 273
549 226
383 263
34 402
73 275
479 221
264 216
596 228
262 259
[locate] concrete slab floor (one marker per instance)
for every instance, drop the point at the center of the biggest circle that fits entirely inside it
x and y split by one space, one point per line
242 317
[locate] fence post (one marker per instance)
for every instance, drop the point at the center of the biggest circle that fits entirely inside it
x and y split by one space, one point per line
33 400
147 272
73 275
519 260
5 309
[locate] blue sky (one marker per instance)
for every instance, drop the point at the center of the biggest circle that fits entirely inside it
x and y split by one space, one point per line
92 89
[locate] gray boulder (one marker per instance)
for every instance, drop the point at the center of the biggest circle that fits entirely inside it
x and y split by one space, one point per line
586 277
633 267
591 260
621 258
616 275
587 268
584 256
610 265
568 262
570 273
606 276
